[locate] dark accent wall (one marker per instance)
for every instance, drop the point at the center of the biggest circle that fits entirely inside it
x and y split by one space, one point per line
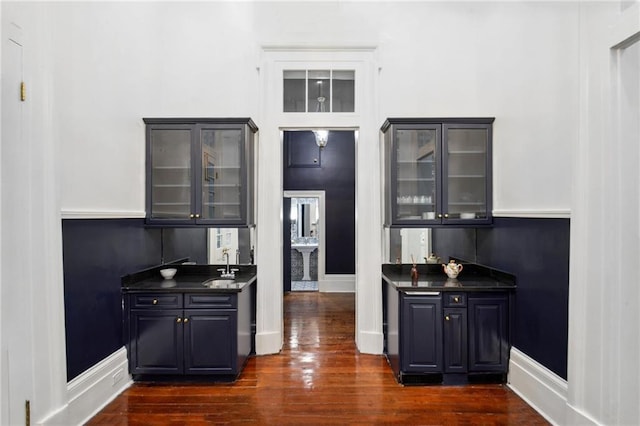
96 254
459 243
335 174
179 243
536 251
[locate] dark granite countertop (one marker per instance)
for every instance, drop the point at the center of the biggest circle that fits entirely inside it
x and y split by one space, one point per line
189 278
431 277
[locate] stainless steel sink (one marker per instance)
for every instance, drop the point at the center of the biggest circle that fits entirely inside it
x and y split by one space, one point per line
219 283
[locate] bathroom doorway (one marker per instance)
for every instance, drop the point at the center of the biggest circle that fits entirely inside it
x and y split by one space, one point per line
303 244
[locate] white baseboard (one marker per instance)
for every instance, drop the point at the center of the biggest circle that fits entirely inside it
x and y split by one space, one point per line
91 391
268 343
335 283
538 386
370 342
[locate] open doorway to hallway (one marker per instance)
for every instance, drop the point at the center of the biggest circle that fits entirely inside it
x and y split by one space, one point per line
318 210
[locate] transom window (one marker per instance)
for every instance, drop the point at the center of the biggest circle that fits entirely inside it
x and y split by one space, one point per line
319 91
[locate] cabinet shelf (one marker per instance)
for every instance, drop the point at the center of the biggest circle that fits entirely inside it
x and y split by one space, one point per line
467 176
409 180
221 204
171 185
223 185
463 152
415 204
412 162
171 204
171 168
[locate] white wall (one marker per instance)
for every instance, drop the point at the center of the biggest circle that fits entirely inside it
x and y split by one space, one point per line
515 61
118 62
100 67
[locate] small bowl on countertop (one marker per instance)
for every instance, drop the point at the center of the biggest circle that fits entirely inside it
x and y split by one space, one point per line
467 215
168 273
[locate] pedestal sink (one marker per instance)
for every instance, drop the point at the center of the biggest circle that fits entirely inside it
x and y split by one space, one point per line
305 250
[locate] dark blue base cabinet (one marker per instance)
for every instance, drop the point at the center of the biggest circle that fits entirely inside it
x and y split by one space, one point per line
447 337
177 334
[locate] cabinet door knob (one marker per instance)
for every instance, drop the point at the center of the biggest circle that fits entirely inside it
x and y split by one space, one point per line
439 216
192 215
155 301
456 299
446 215
446 317
186 320
178 320
197 216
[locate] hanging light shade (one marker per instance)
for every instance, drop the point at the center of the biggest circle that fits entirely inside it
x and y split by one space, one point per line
322 136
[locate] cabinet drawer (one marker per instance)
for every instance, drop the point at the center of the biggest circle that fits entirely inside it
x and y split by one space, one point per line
156 300
204 300
455 299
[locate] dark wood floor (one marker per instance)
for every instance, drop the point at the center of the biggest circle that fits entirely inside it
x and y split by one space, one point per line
319 378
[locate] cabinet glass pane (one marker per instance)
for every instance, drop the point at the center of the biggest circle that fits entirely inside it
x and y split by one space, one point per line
416 168
171 173
467 173
221 173
319 90
293 90
343 89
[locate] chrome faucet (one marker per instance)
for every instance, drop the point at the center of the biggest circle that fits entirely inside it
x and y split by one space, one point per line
227 272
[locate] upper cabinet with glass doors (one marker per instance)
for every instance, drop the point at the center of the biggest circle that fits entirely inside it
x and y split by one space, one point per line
200 171
437 171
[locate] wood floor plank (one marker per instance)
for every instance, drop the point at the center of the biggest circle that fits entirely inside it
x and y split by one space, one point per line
319 378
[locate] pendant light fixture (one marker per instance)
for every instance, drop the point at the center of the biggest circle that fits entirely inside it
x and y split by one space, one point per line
322 136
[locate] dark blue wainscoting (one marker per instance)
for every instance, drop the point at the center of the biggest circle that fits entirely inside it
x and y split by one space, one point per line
179 243
96 254
537 252
459 243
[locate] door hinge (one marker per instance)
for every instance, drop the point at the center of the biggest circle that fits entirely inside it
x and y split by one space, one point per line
23 91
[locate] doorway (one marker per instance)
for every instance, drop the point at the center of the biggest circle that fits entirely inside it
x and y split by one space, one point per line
318 217
363 126
303 245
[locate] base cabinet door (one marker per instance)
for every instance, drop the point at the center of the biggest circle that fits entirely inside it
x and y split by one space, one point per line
421 338
488 333
455 340
156 343
210 341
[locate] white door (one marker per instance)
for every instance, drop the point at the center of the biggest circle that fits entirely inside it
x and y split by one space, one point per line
15 296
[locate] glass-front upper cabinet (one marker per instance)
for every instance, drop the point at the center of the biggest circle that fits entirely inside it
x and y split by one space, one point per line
437 171
200 171
466 172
